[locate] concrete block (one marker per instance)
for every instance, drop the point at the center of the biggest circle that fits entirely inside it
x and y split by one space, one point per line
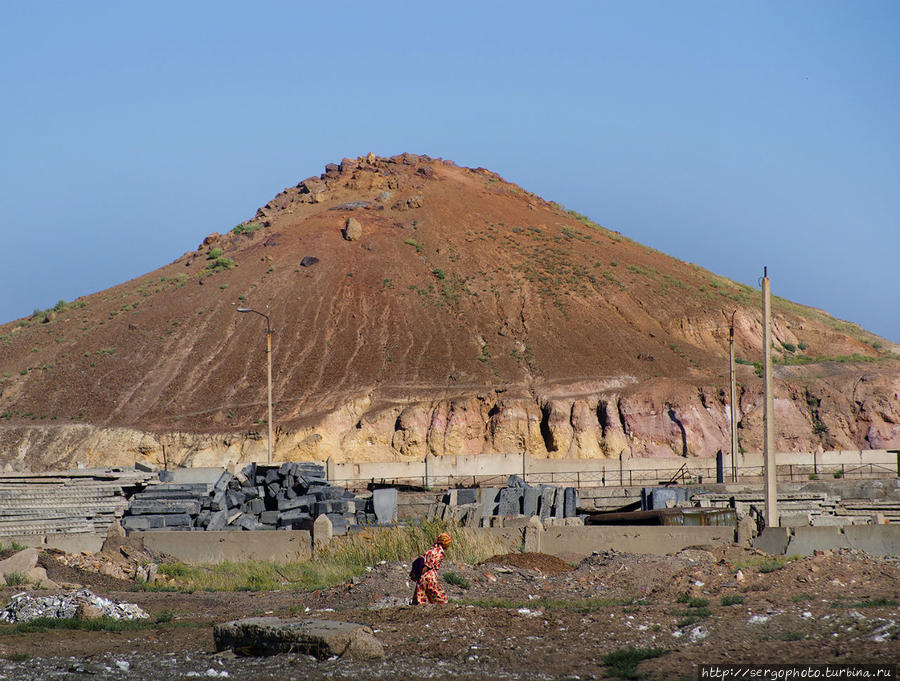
570 502
318 491
269 517
216 501
249 522
334 492
159 506
339 524
515 523
340 506
466 496
254 506
136 522
488 497
287 468
304 501
323 507
177 520
805 540
293 514
322 638
166 476
548 495
222 483
218 520
272 489
384 505
773 540
532 536
515 481
879 540
794 519
559 504
531 501
511 501
234 499
322 530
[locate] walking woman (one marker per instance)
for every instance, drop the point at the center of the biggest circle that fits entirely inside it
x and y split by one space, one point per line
427 588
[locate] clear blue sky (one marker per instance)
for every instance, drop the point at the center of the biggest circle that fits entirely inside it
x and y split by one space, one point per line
730 134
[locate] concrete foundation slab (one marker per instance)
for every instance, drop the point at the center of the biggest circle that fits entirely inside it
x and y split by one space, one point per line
322 638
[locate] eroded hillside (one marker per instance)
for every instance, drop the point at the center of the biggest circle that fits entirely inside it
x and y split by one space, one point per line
422 307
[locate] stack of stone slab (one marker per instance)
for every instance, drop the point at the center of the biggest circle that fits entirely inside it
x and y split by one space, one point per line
478 506
803 507
78 501
289 496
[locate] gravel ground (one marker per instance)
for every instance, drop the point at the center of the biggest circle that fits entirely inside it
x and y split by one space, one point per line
556 621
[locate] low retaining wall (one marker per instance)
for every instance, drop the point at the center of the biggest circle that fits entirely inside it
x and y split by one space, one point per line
878 540
217 547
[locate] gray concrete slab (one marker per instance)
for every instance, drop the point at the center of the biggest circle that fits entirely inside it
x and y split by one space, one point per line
531 501
384 503
773 540
879 540
511 501
805 540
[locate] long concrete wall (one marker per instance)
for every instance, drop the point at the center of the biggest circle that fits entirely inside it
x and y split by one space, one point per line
434 471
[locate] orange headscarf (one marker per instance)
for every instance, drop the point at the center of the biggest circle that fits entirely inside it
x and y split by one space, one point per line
444 539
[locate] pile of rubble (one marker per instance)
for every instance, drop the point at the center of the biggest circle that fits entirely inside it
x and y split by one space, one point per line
81 604
285 497
488 506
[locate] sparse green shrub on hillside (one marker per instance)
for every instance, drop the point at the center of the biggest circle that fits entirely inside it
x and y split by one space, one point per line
248 228
221 263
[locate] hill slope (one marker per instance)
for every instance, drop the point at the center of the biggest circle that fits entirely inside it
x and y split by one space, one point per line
422 307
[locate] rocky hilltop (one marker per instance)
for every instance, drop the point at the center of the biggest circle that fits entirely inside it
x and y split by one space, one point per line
420 307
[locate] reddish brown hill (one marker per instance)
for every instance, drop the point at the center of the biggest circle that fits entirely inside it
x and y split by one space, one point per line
455 313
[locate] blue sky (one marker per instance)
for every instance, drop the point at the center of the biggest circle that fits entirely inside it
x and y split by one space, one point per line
730 134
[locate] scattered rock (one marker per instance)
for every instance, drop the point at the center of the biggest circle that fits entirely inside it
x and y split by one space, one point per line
309 261
38 576
352 229
19 563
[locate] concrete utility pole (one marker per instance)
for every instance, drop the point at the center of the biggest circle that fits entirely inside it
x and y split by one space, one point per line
768 409
734 444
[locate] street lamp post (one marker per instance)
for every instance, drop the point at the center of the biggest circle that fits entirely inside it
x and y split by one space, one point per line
268 372
734 444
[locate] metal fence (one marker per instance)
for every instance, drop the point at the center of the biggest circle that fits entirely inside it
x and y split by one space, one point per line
687 474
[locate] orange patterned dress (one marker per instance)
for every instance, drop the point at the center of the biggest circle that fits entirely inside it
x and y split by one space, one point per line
427 588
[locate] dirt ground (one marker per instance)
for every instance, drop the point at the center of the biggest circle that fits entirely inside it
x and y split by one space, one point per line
519 616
